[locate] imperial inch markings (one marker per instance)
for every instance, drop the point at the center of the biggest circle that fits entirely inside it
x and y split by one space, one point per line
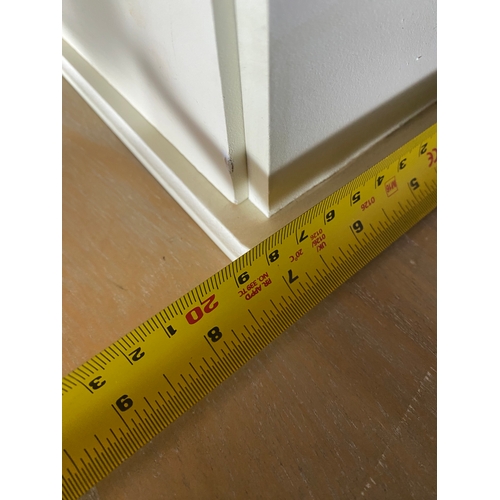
121 398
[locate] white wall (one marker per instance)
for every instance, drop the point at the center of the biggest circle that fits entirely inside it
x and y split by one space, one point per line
339 74
162 56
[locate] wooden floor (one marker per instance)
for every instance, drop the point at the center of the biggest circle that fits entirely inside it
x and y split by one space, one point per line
342 405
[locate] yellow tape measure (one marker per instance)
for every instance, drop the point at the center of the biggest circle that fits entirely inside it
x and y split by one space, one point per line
120 399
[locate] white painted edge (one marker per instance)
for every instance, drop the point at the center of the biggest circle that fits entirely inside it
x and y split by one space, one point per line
233 228
252 23
229 70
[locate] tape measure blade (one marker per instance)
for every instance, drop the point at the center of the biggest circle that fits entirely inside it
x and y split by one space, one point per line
124 396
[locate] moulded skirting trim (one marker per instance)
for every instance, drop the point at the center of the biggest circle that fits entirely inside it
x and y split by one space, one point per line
204 203
233 228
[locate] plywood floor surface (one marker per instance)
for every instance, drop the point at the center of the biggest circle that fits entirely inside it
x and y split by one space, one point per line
342 405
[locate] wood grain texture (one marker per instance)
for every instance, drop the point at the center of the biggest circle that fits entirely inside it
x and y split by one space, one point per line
341 405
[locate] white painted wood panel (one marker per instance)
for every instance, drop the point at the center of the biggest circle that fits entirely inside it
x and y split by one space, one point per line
162 56
324 79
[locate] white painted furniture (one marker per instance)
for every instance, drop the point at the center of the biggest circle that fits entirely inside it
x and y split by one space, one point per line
240 107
